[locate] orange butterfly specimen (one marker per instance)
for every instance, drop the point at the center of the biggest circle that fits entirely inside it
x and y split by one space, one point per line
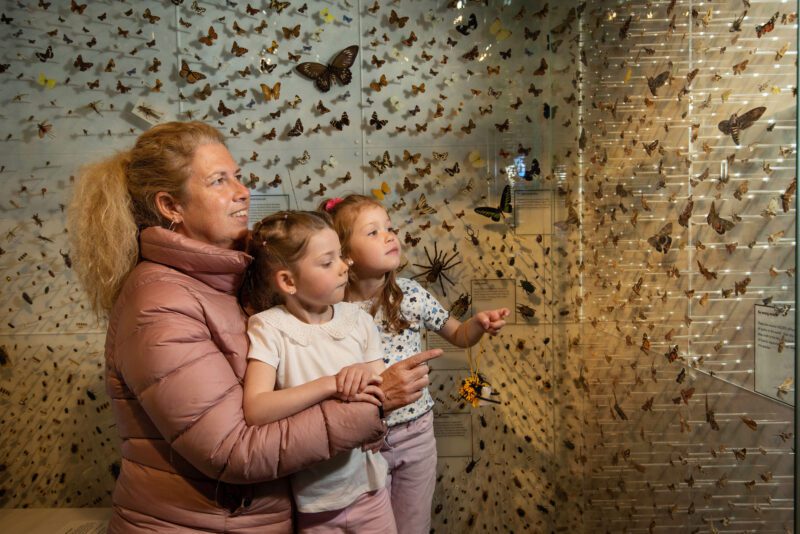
190 75
410 40
492 70
375 7
417 89
223 109
209 39
237 50
379 84
204 93
446 226
289 33
422 171
425 56
377 62
397 20
273 93
413 158
152 19
446 129
261 27
469 127
740 67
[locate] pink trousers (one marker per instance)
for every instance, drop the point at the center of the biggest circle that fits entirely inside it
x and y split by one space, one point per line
371 513
410 450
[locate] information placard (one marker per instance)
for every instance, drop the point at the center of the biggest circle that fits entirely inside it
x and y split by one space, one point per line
533 212
493 294
775 353
453 433
262 205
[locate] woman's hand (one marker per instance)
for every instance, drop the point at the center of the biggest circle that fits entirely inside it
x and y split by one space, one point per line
404 381
492 321
353 379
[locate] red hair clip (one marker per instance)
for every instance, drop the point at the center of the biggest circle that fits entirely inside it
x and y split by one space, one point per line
332 203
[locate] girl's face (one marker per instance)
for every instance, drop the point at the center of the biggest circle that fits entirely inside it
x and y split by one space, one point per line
320 276
374 247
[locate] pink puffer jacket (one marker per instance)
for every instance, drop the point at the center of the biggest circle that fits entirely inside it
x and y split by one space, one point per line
175 359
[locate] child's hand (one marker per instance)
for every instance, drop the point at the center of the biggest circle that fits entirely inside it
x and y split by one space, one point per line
354 379
371 394
492 320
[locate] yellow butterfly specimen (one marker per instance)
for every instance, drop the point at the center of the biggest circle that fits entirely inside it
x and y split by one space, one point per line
500 33
381 192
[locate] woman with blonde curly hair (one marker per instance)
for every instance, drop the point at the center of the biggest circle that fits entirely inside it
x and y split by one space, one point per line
157 236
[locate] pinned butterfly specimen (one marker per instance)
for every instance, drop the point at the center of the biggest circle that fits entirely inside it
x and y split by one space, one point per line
237 50
737 123
381 164
321 109
502 127
269 136
452 171
417 89
422 171
469 127
190 75
381 192
422 207
223 109
338 69
396 20
686 214
209 39
341 122
289 33
472 54
410 40
740 67
205 92
413 158
716 222
379 84
44 56
471 24
377 62
662 241
762 29
786 196
77 8
497 213
500 33
657 81
540 71
44 128
271 93
45 81
650 147
376 122
82 65
296 130
408 185
413 241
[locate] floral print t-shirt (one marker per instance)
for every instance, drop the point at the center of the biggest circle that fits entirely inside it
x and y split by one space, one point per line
419 308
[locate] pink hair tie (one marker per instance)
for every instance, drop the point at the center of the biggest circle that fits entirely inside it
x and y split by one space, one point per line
332 203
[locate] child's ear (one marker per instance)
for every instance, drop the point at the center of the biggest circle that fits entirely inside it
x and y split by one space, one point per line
285 282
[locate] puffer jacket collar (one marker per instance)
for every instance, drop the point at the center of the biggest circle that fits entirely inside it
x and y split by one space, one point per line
220 268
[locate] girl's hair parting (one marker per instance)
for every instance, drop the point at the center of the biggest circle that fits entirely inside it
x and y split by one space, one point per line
276 243
115 198
345 211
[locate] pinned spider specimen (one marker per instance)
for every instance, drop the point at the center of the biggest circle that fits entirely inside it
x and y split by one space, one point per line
437 265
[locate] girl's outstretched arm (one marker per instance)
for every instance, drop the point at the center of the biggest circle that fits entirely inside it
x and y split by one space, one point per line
468 333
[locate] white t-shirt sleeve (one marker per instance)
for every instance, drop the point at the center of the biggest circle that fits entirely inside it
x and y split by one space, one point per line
263 341
374 346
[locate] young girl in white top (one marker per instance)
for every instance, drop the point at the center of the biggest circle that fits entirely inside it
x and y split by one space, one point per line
307 345
401 307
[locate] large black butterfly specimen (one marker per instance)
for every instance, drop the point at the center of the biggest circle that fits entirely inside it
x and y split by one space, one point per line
738 123
657 81
497 213
338 69
662 241
471 24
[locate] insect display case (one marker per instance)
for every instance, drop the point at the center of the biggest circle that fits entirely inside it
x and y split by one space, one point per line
621 175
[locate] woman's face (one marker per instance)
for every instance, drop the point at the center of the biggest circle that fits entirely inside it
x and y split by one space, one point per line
214 209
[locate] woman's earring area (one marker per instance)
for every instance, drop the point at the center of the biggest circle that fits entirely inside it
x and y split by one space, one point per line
171 225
